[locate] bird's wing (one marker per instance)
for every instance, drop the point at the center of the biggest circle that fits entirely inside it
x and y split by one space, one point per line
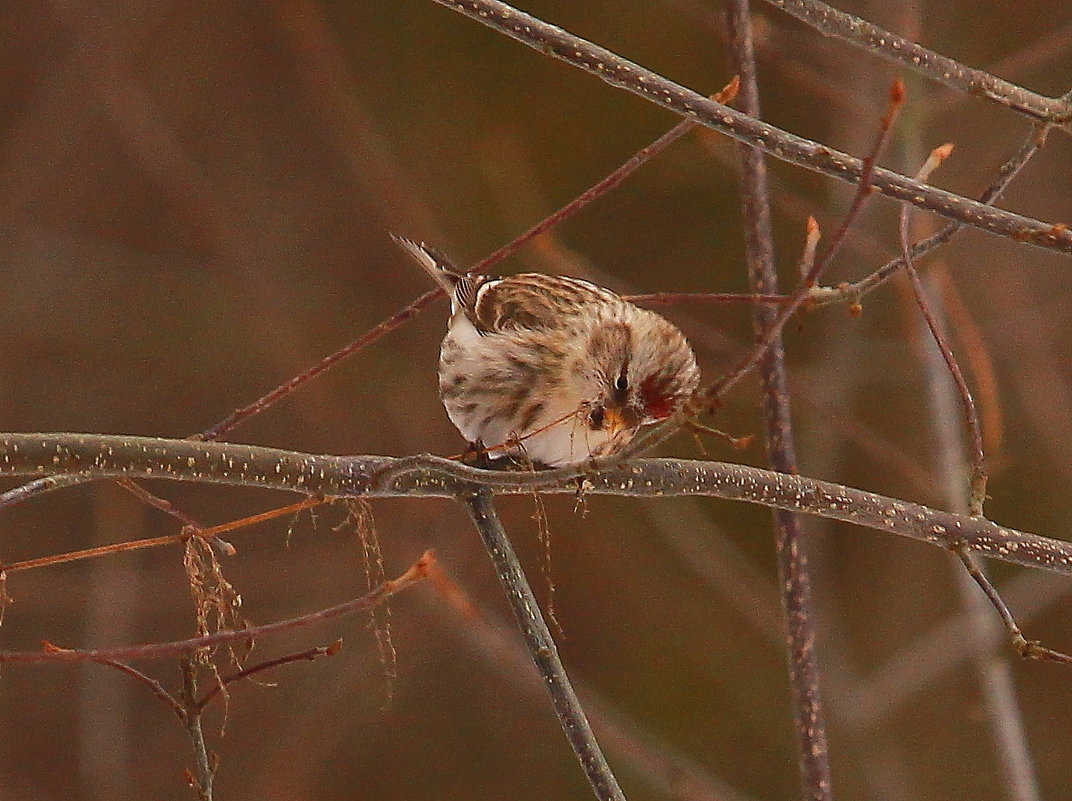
532 301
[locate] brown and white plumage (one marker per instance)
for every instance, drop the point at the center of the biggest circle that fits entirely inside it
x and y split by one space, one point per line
552 368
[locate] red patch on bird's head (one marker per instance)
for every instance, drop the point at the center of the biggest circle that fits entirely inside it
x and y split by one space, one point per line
658 405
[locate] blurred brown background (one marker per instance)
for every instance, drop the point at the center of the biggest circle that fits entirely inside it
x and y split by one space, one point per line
194 203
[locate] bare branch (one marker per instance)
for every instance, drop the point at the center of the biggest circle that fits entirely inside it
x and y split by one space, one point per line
830 21
203 760
1035 139
977 495
155 687
478 502
159 650
813 753
102 455
308 655
664 769
788 147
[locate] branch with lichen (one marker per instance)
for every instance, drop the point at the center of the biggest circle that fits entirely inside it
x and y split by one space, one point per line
632 77
105 456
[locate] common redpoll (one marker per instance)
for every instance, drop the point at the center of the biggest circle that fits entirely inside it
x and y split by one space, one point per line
553 369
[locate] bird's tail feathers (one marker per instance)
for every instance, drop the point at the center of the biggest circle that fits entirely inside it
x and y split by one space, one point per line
439 268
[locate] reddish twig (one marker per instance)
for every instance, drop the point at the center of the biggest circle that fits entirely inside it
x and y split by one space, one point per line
402 316
209 533
971 417
1008 171
308 655
813 270
155 687
158 650
980 363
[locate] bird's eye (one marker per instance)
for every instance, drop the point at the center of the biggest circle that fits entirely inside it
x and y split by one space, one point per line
621 383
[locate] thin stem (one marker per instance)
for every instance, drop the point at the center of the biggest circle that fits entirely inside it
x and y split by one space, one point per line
667 298
793 573
415 573
830 21
308 655
992 670
627 75
405 314
1012 166
155 687
396 320
1025 647
203 762
478 503
978 482
811 266
941 650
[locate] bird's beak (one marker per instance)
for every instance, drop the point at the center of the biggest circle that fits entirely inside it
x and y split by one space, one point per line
619 418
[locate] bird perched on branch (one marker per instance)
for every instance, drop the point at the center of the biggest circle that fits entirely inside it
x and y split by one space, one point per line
552 369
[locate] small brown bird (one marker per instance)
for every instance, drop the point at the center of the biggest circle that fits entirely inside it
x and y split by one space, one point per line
553 369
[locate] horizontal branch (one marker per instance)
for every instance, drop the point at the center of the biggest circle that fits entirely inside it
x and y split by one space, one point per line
105 456
632 77
831 21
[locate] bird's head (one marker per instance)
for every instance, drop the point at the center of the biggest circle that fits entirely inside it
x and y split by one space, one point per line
642 371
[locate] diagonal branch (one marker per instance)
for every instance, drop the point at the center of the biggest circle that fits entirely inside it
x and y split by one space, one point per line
831 21
1034 140
632 77
478 503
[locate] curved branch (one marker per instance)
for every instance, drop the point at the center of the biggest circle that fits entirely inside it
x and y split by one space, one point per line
624 74
103 456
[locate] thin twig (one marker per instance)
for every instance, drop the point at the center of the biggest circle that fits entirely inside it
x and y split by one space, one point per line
943 649
415 573
403 315
830 21
1012 166
978 481
1030 649
627 75
203 761
308 655
992 669
211 533
155 687
1003 712
812 266
478 502
667 298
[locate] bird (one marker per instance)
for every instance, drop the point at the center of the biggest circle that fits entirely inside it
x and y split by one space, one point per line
550 370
